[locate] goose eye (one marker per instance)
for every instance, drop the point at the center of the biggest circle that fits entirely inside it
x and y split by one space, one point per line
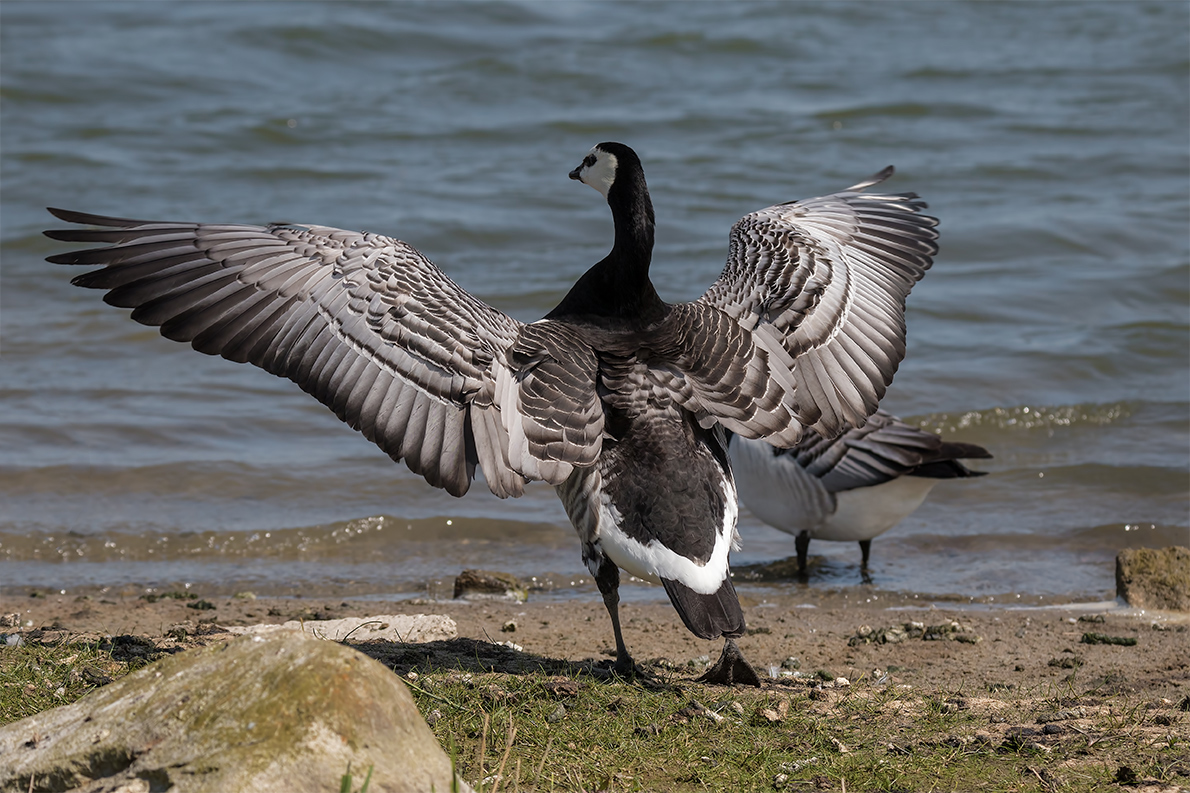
589 160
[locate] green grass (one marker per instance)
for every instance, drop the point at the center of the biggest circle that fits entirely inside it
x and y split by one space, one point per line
542 731
622 736
35 677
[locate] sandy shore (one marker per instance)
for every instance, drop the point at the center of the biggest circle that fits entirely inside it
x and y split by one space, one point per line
974 650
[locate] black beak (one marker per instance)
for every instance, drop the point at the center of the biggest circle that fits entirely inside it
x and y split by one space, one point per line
575 173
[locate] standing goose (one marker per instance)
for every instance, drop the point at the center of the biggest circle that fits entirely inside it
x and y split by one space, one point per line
851 488
615 398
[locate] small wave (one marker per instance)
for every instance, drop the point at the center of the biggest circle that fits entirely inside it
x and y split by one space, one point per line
907 110
1027 417
378 538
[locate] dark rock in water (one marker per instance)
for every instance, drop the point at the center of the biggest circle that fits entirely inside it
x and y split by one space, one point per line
273 713
1148 578
490 585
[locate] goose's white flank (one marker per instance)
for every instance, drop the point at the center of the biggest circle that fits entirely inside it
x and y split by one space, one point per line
616 398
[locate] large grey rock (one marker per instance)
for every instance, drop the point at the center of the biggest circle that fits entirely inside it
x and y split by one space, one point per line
272 713
405 628
1148 578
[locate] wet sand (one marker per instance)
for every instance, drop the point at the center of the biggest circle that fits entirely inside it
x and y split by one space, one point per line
972 649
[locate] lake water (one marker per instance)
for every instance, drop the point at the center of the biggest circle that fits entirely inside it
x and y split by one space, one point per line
1050 139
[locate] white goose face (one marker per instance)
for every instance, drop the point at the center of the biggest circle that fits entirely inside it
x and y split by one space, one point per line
597 170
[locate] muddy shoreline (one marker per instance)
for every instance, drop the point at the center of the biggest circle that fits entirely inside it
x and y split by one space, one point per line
937 648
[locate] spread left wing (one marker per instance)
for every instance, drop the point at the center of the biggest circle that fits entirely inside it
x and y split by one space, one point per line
368 326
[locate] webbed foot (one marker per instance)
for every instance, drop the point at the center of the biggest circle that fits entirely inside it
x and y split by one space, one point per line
731 669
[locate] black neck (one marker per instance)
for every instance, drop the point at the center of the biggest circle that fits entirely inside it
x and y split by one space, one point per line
619 285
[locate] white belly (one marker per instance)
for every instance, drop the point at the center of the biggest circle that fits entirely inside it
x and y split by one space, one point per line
867 512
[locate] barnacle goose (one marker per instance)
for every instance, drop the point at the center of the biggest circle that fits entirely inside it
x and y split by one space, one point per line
850 488
616 398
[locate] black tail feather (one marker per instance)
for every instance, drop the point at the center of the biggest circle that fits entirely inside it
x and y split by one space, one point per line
708 616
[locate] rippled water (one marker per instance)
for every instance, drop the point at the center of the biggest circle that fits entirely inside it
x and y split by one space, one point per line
1051 140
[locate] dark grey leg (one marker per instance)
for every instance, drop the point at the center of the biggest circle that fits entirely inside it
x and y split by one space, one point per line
608 580
865 547
802 543
731 669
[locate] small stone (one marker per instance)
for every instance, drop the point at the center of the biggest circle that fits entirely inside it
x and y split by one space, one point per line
1017 738
489 585
10 620
1070 662
562 688
839 746
791 663
1062 715
1102 638
557 714
508 627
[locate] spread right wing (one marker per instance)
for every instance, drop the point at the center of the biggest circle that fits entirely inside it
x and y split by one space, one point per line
806 325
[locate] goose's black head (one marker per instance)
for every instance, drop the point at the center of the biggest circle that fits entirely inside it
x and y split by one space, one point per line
599 168
619 285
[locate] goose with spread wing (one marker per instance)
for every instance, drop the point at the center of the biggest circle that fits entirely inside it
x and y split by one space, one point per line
851 488
616 398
